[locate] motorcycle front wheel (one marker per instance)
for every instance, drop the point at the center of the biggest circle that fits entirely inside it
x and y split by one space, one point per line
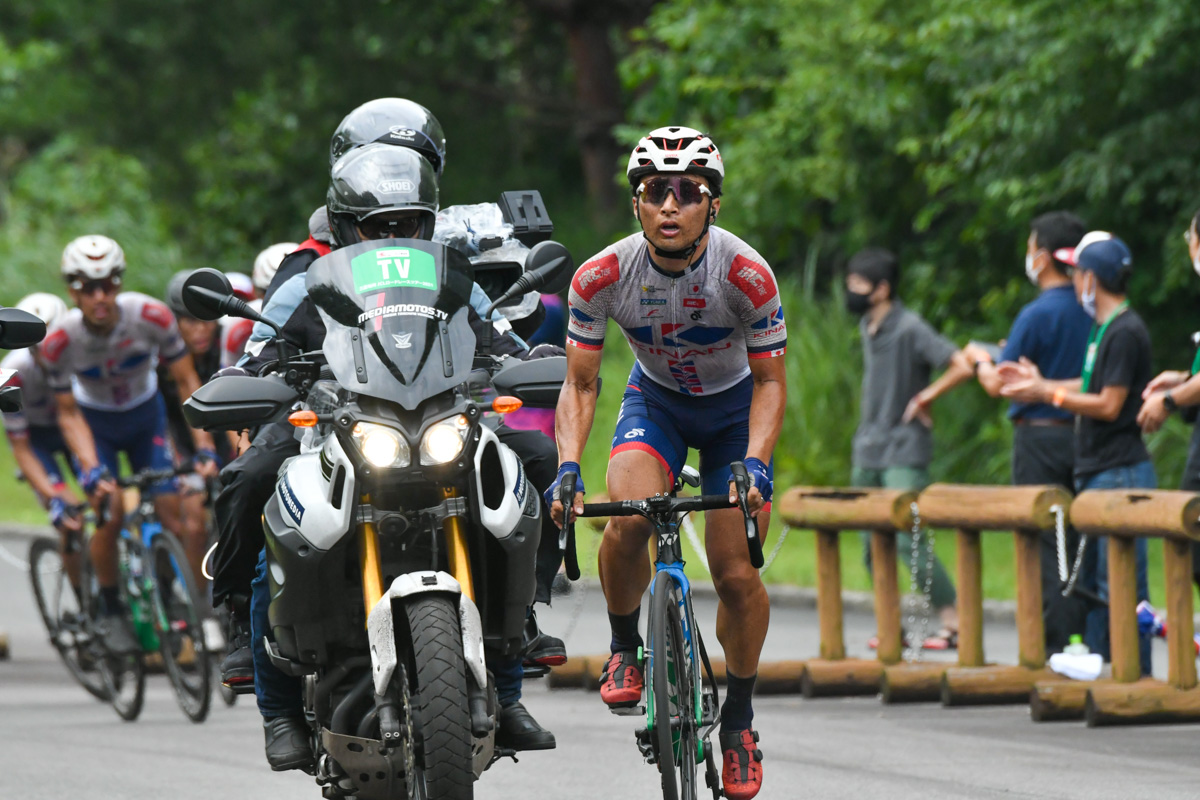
444 765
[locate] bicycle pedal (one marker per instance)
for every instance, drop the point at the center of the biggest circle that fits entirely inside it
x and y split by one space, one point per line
629 711
535 671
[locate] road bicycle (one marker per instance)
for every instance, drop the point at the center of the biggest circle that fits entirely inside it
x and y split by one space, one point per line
682 702
160 597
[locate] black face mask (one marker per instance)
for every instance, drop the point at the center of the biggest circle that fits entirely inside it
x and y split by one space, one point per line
858 304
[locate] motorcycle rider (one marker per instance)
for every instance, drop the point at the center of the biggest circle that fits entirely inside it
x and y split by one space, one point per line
357 212
701 312
101 357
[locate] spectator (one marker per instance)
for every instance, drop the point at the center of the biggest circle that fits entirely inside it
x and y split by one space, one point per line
1109 452
893 444
1052 332
1176 389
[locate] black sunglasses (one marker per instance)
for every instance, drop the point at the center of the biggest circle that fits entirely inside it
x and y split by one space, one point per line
687 192
385 227
90 287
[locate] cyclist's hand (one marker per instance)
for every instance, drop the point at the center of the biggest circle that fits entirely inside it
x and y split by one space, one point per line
98 484
205 463
760 493
62 516
554 502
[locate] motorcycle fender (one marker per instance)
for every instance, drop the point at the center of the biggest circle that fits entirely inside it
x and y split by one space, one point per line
503 519
381 629
306 494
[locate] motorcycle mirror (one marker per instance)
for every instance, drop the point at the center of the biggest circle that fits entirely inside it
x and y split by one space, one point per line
20 329
10 399
206 294
550 262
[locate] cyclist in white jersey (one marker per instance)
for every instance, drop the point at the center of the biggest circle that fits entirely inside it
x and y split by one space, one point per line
701 311
102 357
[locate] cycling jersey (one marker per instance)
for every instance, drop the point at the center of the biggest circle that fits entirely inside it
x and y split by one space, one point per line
113 371
38 408
691 332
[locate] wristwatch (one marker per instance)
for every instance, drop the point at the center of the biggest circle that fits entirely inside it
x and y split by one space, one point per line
1169 402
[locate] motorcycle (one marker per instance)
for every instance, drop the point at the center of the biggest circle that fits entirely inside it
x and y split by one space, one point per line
400 543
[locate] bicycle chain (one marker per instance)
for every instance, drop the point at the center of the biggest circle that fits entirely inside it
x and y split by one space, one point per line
913 652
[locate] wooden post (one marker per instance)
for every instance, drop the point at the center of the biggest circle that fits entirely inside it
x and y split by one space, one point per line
829 595
1031 632
887 597
970 599
1181 650
1122 608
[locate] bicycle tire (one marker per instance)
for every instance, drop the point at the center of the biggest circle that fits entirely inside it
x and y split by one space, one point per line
444 762
672 694
179 625
65 618
125 674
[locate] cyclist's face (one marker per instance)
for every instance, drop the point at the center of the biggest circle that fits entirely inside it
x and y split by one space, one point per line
97 299
674 224
197 334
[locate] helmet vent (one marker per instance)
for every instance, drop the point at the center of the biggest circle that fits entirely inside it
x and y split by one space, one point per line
671 160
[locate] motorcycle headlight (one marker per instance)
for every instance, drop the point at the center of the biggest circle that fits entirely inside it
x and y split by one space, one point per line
445 440
381 446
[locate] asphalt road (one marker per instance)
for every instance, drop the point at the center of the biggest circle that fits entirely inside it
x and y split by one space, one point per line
56 742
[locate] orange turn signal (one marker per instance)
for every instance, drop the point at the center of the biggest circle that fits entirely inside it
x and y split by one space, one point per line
303 419
505 404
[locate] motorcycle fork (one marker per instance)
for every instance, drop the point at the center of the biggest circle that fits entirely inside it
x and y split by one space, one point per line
369 564
457 556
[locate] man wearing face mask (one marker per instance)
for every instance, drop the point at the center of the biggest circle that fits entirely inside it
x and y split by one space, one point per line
1180 389
1052 332
1109 452
893 444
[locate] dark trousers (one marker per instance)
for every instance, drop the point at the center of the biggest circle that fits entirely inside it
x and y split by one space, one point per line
1046 455
539 455
246 486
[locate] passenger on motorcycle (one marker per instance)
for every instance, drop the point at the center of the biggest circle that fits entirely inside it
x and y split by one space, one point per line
701 312
101 359
357 213
33 432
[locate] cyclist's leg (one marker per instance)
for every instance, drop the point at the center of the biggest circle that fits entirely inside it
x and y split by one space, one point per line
47 443
105 427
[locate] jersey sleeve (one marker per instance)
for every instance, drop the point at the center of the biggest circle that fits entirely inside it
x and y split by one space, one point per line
589 302
235 332
755 296
163 330
55 350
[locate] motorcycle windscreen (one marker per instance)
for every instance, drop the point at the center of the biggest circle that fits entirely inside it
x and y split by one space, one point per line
395 313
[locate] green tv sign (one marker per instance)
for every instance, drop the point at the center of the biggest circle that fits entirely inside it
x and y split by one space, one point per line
393 267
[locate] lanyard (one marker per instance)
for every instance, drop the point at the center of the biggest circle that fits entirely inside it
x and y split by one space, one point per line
1089 363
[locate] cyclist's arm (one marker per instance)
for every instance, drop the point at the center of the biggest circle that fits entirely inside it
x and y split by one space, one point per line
31 467
76 432
767 405
183 372
577 403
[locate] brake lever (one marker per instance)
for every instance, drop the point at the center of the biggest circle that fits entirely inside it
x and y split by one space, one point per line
741 484
566 535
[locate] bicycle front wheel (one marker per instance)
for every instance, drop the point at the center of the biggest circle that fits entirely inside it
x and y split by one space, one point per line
673 699
178 623
64 616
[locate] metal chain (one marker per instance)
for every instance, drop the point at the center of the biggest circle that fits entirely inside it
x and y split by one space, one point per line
689 530
913 652
775 551
1060 538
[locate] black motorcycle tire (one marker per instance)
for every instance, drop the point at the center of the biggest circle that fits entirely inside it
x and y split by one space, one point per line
439 699
671 691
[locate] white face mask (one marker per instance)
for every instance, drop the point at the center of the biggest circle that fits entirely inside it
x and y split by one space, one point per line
1030 271
1088 299
1196 263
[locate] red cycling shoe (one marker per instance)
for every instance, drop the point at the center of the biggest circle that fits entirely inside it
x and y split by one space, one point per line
621 682
742 773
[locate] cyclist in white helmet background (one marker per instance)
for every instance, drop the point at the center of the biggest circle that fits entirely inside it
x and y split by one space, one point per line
33 432
701 311
101 357
235 331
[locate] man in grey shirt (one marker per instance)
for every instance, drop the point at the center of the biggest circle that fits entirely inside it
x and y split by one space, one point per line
893 444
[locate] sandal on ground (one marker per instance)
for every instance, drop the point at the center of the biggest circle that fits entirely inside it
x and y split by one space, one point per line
945 639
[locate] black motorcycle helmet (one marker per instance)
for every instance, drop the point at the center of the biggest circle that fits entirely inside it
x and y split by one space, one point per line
394 121
376 179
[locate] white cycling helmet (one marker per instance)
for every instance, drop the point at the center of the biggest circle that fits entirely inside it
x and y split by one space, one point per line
43 305
92 258
266 264
676 149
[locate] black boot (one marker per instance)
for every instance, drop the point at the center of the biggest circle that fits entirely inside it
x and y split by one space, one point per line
237 669
288 743
517 729
542 649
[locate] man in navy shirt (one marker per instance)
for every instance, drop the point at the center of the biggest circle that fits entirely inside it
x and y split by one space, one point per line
1052 332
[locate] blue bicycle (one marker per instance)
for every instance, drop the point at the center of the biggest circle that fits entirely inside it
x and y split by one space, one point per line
682 704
